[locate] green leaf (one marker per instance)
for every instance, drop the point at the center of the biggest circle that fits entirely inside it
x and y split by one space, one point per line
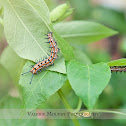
14 104
29 20
12 63
120 62
88 81
42 87
27 29
82 32
41 9
65 48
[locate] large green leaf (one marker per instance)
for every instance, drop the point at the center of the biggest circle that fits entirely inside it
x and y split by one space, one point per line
66 49
25 29
42 87
26 23
82 32
11 105
119 62
13 63
88 81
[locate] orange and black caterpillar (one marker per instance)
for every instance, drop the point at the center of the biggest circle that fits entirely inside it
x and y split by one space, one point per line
118 68
48 61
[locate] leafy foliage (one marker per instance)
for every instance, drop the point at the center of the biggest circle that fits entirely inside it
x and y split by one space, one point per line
88 81
25 24
81 32
120 62
21 34
43 86
28 39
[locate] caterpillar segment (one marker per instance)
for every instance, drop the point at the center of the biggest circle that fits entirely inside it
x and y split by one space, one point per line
45 63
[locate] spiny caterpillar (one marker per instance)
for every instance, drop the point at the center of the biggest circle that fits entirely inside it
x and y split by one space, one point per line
118 68
48 61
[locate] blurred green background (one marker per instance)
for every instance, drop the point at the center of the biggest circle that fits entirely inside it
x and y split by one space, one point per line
112 14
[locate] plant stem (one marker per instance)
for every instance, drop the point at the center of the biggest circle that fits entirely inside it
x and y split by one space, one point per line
66 104
78 106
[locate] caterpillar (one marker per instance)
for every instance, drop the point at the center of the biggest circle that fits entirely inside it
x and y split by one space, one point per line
48 61
118 68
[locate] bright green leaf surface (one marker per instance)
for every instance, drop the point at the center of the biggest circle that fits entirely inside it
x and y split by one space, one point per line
82 32
25 28
26 23
88 81
120 62
42 87
13 63
65 48
41 9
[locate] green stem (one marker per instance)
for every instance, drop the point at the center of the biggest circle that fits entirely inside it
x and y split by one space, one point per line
66 104
78 106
